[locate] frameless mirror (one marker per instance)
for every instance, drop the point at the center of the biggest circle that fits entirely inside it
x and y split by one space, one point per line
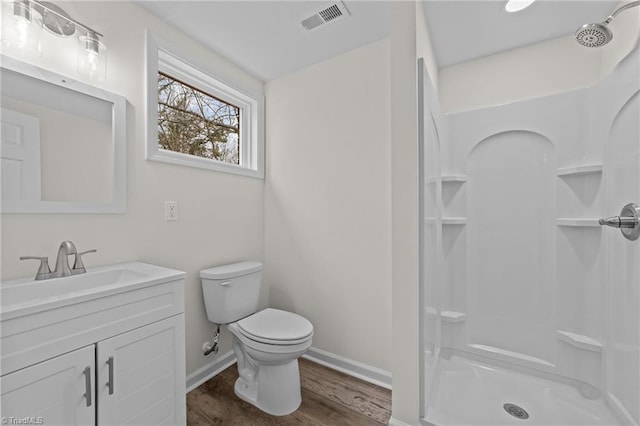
63 143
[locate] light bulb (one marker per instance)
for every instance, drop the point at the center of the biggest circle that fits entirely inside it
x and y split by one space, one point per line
517 5
22 32
21 28
92 53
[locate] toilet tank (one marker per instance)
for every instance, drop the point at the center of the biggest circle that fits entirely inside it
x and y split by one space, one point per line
231 292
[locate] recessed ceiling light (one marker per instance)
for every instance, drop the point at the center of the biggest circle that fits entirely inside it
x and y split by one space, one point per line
517 5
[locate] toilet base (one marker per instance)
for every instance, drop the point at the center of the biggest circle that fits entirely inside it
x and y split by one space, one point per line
275 390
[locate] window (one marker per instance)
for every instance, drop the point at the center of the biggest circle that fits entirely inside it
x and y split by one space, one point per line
196 123
196 119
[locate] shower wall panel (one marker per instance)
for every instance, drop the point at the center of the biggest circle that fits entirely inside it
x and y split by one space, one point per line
524 276
620 95
528 278
511 253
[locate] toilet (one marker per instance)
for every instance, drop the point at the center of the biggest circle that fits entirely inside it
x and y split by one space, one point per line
267 343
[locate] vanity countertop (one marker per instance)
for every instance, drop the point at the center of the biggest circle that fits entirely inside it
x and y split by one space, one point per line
27 296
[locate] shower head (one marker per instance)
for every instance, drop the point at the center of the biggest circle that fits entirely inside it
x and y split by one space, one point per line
594 35
597 35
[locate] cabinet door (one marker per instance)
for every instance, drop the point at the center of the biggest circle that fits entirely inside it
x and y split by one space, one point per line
59 391
141 375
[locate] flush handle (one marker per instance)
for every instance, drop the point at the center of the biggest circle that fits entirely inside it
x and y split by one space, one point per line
225 283
628 222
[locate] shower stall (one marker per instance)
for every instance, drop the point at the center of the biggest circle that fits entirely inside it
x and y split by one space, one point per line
530 303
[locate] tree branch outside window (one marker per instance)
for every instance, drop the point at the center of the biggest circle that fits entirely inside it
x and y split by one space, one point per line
196 123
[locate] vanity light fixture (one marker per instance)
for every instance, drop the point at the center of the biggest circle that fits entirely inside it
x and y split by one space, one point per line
20 29
517 5
92 53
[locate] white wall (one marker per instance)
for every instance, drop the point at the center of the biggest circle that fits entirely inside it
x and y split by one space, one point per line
404 210
327 202
424 48
409 40
220 215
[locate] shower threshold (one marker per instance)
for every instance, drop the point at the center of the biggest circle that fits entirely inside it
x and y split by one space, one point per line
472 392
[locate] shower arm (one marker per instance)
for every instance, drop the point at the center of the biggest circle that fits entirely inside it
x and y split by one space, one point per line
622 9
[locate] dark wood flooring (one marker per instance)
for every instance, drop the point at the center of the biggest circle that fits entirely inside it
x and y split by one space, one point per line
328 398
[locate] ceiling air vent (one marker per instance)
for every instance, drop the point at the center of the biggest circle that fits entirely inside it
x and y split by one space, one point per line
333 12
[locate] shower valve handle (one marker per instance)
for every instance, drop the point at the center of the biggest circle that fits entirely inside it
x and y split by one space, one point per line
619 222
628 222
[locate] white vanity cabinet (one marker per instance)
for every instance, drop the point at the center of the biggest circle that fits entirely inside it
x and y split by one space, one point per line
140 380
55 390
113 356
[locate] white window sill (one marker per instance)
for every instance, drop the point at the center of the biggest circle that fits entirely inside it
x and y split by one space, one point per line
203 163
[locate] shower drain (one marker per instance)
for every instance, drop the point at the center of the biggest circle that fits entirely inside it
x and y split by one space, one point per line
516 411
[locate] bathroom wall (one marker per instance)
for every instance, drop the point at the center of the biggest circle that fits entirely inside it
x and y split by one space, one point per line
327 202
424 48
220 215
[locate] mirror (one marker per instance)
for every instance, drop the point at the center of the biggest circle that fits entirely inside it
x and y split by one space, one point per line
63 143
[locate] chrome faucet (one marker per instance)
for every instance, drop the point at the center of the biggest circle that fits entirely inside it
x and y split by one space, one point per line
62 269
62 261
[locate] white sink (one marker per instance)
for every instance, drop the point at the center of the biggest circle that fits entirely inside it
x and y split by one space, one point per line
27 296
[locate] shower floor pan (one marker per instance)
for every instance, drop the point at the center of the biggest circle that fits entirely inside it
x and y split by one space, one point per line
471 392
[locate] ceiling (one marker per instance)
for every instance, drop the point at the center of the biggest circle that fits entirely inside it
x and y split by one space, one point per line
265 38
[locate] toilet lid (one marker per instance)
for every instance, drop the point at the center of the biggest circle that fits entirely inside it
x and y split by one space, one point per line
275 325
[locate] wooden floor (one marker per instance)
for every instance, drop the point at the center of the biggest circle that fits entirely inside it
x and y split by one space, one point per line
328 398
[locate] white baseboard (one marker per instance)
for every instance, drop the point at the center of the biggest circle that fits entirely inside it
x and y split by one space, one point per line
353 368
394 422
348 366
425 422
206 372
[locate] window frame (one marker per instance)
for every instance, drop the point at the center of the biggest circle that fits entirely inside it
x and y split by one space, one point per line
161 58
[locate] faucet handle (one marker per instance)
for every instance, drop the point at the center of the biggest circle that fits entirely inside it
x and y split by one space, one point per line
78 266
43 270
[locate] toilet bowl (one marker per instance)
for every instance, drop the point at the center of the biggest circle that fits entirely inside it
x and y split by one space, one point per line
268 367
267 343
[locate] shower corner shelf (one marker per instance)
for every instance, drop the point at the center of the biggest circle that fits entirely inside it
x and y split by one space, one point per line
454 178
453 317
447 316
580 341
448 220
580 170
448 179
578 222
454 220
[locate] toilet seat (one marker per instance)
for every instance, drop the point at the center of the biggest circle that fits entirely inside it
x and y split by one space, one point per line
276 327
